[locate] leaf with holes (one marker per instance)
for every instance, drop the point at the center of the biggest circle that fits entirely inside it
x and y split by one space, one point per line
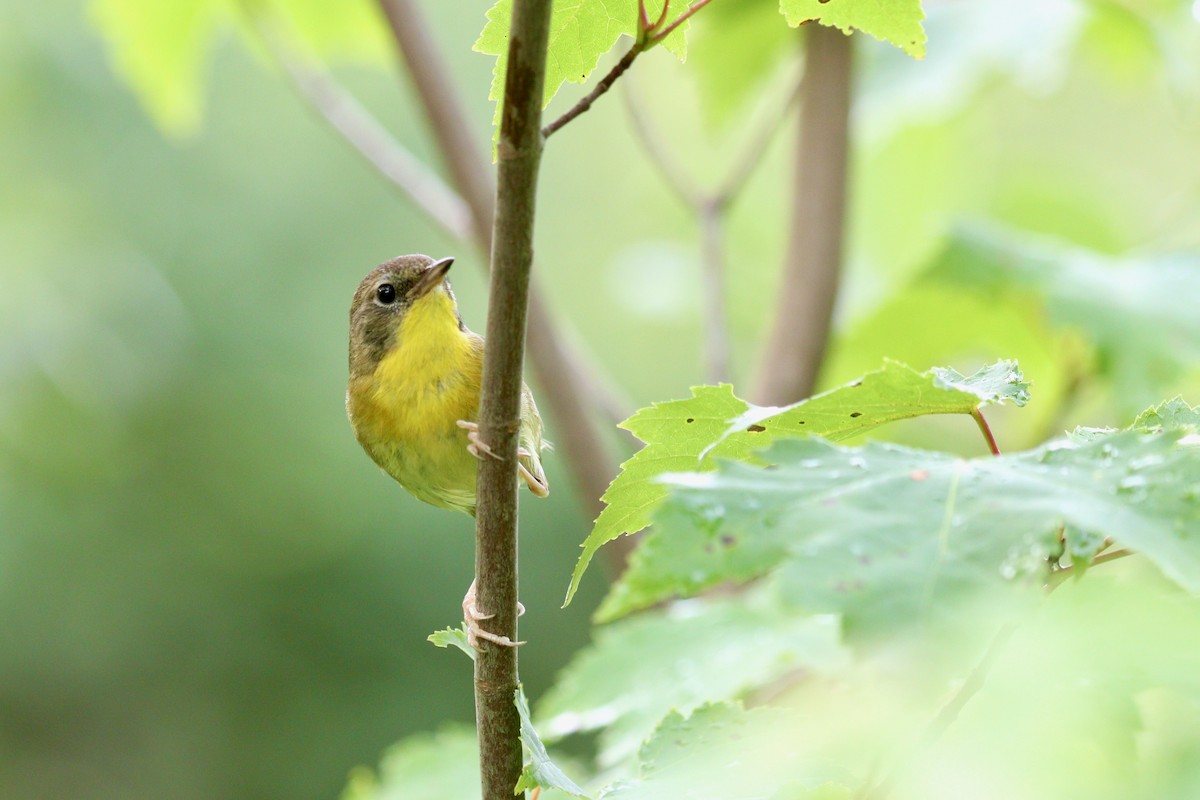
691 434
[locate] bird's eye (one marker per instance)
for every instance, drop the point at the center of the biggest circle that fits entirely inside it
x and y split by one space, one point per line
386 293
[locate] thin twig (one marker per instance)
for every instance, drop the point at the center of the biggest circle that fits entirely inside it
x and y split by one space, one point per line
710 210
977 415
603 86
659 154
647 26
649 34
756 146
658 35
1060 575
419 183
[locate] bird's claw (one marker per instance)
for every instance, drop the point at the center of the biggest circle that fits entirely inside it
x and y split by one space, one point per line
473 616
475 445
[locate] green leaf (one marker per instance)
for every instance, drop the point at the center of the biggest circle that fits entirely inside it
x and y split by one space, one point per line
1139 313
1001 382
453 637
887 535
444 765
160 49
722 751
581 31
691 434
895 21
1172 415
351 30
540 771
641 668
978 44
753 30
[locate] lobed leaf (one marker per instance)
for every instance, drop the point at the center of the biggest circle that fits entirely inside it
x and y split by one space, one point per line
452 637
1171 415
885 535
894 21
691 434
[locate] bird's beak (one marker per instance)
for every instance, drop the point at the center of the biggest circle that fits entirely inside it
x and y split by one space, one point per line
430 279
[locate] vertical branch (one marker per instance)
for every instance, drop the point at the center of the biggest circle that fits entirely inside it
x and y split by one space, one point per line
796 345
520 151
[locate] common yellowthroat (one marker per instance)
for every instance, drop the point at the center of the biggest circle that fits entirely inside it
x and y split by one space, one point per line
413 397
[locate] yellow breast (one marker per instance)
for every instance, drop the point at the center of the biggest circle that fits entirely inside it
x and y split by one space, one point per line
405 414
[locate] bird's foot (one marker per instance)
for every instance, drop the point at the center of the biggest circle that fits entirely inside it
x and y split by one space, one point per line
477 447
473 616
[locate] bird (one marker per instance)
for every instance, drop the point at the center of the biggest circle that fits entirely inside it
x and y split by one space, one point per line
416 371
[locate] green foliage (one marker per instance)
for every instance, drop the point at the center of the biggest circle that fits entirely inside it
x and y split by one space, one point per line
1173 414
540 770
453 637
440 765
678 659
886 535
162 49
1137 313
446 765
722 751
284 563
895 21
749 28
581 32
694 433
884 541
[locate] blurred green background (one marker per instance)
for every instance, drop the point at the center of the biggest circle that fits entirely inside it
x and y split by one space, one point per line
208 591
